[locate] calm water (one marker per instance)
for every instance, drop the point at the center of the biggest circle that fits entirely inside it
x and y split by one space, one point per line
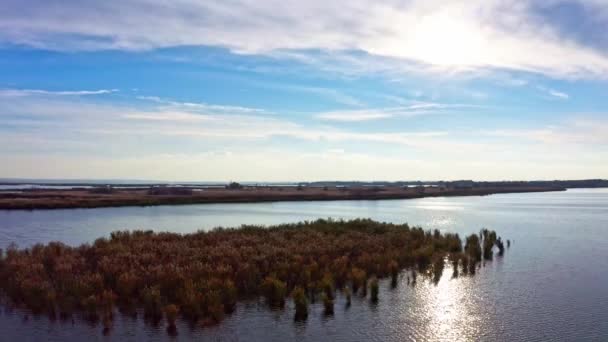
551 285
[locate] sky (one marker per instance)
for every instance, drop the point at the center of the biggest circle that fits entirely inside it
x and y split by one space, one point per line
269 90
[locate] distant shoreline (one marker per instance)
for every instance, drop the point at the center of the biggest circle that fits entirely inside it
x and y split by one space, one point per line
103 197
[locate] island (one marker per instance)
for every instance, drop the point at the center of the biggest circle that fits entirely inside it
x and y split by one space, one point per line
93 195
202 276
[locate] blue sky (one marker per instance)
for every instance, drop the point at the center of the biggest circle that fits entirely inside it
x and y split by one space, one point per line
292 90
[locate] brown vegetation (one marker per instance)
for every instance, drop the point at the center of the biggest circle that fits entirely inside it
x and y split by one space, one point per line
201 276
232 193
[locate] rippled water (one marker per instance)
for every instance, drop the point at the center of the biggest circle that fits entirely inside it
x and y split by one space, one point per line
551 285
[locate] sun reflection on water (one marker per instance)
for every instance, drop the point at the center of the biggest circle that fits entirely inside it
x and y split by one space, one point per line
448 309
443 204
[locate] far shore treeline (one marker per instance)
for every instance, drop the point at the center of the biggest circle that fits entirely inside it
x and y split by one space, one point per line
201 276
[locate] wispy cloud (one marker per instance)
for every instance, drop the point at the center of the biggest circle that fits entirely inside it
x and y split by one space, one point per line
85 138
559 94
168 116
333 94
199 106
412 110
162 122
355 115
441 36
336 95
32 92
554 93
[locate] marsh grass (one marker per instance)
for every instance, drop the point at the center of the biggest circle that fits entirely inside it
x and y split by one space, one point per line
201 276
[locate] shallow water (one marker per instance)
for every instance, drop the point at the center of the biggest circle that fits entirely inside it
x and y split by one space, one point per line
552 283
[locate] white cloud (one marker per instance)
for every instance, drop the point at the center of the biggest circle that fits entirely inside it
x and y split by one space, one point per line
38 92
85 138
440 35
66 137
333 94
168 116
199 106
414 109
112 123
558 94
354 116
554 93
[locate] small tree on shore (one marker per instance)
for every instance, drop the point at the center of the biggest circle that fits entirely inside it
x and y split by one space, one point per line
234 186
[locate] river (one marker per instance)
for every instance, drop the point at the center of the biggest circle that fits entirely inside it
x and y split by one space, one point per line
552 284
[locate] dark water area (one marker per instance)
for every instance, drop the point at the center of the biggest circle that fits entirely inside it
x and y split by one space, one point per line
552 284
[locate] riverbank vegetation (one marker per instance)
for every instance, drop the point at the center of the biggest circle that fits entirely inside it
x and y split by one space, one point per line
201 276
108 196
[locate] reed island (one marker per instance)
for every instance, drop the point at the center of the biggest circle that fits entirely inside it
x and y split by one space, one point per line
201 277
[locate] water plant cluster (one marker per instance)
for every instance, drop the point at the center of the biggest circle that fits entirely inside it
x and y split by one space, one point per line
201 276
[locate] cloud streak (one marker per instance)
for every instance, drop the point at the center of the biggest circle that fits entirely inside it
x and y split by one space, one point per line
199 106
39 92
554 93
100 122
412 110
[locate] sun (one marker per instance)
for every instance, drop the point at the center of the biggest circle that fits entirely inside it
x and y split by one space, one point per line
444 40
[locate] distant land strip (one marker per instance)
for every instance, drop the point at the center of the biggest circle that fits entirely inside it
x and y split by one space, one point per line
110 196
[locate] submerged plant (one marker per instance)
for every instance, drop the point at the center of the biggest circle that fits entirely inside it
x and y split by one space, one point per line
455 259
501 247
328 304
373 284
301 303
152 301
171 312
359 279
347 295
393 267
274 290
437 269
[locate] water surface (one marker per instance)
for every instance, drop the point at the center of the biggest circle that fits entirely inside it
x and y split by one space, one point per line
551 285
